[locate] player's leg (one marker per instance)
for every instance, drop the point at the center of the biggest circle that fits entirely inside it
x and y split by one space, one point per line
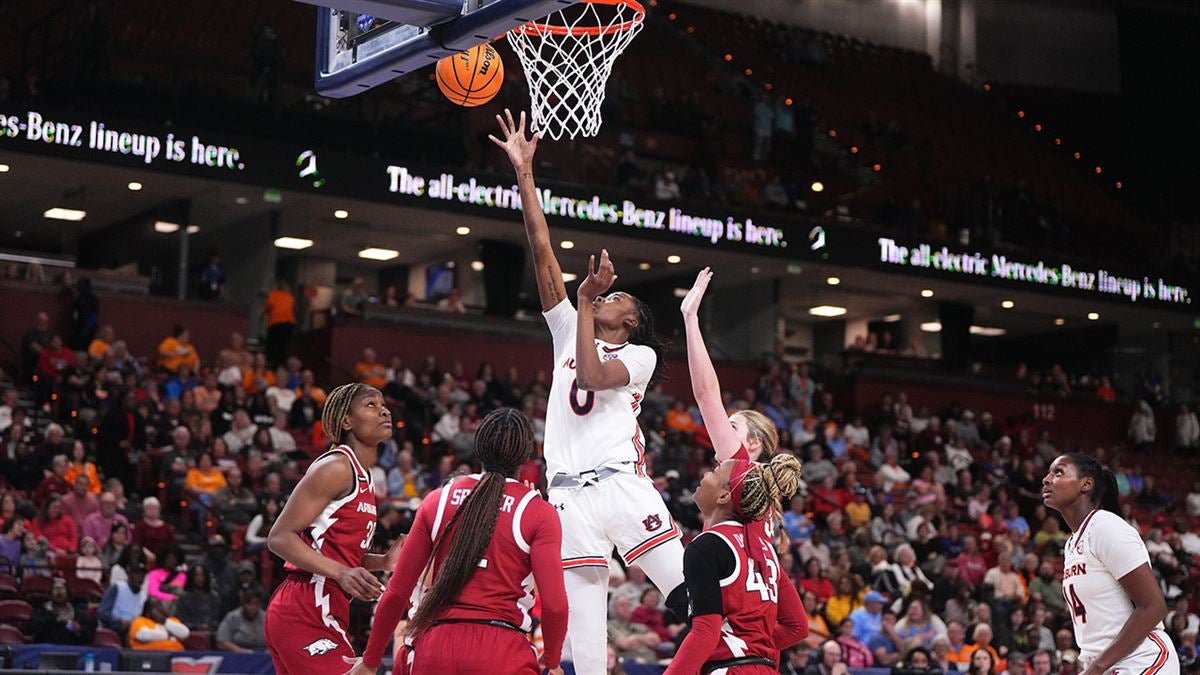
587 623
647 536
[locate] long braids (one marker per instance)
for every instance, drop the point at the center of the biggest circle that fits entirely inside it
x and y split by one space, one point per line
502 443
644 334
763 487
337 408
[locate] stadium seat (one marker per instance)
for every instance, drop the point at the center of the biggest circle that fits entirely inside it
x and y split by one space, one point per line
15 611
197 642
8 587
64 566
108 638
10 635
36 588
84 590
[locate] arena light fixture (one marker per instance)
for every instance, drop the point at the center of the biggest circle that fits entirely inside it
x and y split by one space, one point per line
59 213
241 201
827 310
890 318
193 229
293 243
566 244
165 227
644 266
1007 304
818 186
931 327
681 292
1093 316
1060 321
927 293
477 265
987 331
134 186
833 281
674 259
380 254
341 214
462 230
568 277
4 168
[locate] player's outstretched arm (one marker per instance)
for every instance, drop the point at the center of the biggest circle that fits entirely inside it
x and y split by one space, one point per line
520 152
590 373
325 481
705 386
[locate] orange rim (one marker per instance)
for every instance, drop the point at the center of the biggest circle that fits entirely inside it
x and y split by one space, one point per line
535 27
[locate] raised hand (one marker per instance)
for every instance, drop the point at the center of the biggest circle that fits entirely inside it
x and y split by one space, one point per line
520 150
691 302
356 667
599 279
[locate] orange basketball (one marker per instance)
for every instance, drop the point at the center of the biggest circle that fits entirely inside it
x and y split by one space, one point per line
472 77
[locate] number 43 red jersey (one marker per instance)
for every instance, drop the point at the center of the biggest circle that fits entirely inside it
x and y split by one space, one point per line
750 596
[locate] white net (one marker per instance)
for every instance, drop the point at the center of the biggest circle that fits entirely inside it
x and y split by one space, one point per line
568 57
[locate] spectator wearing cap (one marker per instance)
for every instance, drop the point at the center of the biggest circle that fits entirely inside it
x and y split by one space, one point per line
124 600
243 629
868 619
155 629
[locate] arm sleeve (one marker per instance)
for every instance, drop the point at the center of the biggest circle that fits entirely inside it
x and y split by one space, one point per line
639 360
792 623
1117 545
706 561
176 628
561 320
546 557
146 633
699 644
413 557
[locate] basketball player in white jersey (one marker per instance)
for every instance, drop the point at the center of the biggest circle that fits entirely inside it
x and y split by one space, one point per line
605 355
1115 603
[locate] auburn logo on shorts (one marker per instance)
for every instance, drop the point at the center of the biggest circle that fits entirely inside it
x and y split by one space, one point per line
652 523
322 646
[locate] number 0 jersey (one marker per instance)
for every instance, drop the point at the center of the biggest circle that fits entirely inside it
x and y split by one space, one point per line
586 430
1104 549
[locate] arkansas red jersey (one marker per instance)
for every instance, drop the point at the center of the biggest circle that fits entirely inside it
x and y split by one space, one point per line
750 596
344 530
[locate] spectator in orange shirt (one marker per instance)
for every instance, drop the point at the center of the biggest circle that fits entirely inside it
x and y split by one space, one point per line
280 310
309 387
202 483
154 629
679 419
258 378
1105 391
80 466
370 371
98 349
177 350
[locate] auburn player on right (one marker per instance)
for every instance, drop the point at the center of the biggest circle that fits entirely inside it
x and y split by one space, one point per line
742 616
1115 603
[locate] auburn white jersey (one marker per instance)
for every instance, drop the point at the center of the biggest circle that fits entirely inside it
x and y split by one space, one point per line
586 430
1104 549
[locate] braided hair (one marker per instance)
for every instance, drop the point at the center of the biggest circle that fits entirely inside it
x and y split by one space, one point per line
502 443
1104 495
766 485
337 408
644 334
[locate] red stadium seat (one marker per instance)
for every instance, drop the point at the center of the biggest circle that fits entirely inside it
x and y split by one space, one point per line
84 590
36 588
197 642
107 638
15 611
8 587
10 635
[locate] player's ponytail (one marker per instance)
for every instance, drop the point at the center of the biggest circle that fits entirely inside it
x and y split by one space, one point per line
766 485
502 443
644 334
1104 493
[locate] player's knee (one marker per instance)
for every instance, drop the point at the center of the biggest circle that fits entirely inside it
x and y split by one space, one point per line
677 605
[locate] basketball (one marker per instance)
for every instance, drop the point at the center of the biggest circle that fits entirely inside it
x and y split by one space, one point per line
471 78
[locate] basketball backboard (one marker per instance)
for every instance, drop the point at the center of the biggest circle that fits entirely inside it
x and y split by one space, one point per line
368 42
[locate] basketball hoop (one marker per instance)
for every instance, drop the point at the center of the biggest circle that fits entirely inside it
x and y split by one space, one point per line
568 56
